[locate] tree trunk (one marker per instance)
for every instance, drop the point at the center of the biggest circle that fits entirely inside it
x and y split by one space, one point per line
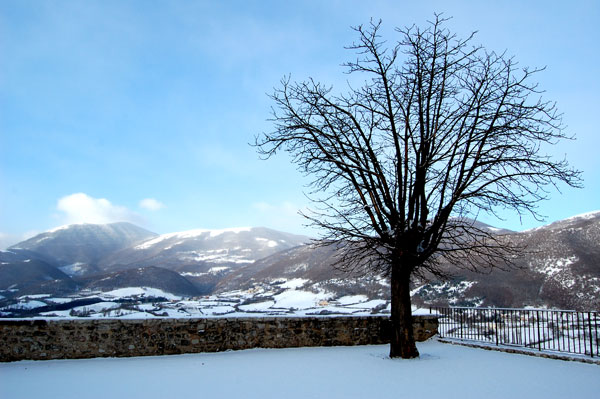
402 340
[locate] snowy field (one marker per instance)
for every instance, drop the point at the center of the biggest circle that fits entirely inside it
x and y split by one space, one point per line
285 298
442 371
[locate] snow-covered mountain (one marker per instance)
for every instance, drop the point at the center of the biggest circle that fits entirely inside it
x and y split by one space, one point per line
230 247
311 267
203 256
93 253
260 267
78 248
560 268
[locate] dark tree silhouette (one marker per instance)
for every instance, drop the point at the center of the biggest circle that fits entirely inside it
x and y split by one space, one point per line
439 132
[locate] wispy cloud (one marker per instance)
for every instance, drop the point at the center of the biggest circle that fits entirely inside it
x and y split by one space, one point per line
283 216
286 208
6 240
151 204
82 208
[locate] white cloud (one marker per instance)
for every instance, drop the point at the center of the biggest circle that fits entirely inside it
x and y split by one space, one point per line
151 204
81 208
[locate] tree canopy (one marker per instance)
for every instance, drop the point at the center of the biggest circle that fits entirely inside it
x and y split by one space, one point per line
401 167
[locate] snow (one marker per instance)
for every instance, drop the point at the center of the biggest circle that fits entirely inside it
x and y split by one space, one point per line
327 310
352 299
134 315
63 227
297 268
214 256
285 297
68 226
567 221
257 307
97 307
423 312
270 243
554 266
72 268
154 241
587 215
212 270
217 310
139 291
294 283
63 314
26 304
443 370
368 305
217 269
448 289
190 234
236 230
35 296
300 299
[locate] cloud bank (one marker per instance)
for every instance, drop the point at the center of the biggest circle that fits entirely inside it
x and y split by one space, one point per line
81 208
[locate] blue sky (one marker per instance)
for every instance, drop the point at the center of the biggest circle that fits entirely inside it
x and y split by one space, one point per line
143 110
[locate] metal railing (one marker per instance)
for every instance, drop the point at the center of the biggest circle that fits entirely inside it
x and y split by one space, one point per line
540 329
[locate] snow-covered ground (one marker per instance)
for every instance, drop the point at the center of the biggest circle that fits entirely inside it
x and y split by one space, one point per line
285 298
442 371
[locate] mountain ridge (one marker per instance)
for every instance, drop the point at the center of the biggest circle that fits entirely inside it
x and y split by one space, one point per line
561 269
84 243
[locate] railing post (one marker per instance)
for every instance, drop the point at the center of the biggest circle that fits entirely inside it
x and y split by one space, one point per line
539 337
461 324
596 329
579 333
591 338
496 326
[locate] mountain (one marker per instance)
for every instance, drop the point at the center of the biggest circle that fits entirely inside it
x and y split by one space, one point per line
215 247
311 267
560 268
203 256
22 272
78 248
26 272
19 255
91 253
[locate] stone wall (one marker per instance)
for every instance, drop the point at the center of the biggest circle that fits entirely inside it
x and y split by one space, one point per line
86 338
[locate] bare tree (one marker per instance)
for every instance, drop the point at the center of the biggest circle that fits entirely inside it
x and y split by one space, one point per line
440 132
